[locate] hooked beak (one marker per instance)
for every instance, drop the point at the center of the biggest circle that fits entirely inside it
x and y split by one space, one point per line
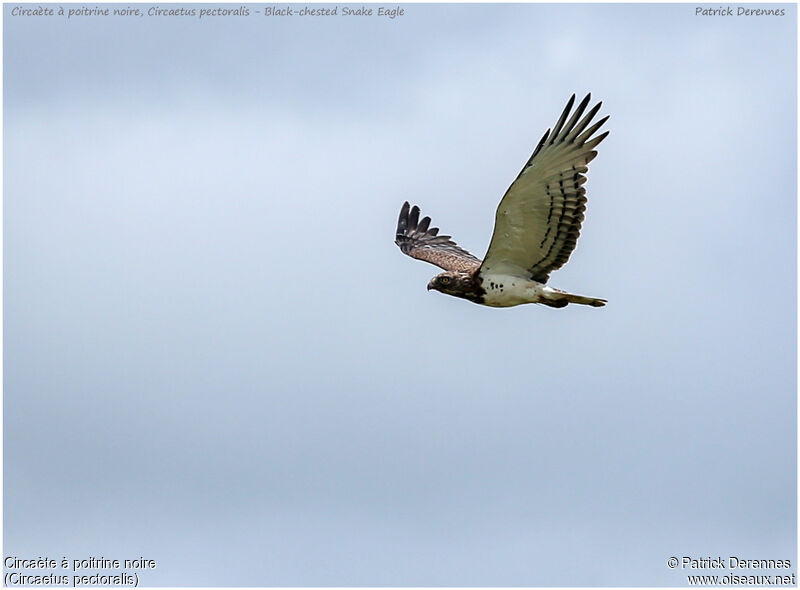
430 285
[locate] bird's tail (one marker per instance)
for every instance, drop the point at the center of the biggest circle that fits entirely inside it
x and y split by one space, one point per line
558 298
593 301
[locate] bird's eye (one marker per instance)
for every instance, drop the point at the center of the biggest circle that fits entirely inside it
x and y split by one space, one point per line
444 280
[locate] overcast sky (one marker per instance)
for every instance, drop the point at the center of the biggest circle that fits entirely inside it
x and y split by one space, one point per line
216 357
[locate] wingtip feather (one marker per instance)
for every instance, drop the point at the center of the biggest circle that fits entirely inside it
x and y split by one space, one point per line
402 221
563 117
423 225
594 143
413 218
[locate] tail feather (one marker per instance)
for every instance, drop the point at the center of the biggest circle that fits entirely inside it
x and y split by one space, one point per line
561 299
593 301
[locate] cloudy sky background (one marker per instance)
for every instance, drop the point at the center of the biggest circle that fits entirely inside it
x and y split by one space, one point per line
216 357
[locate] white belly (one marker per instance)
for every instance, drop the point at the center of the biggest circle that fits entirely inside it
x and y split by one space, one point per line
507 290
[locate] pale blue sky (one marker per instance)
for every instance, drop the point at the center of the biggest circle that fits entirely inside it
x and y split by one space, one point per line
216 357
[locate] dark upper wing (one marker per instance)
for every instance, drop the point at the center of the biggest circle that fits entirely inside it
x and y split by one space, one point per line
538 221
419 241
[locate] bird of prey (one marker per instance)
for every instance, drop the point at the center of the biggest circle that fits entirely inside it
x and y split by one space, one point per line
536 225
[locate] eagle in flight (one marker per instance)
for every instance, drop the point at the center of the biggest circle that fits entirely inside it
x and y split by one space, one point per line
536 226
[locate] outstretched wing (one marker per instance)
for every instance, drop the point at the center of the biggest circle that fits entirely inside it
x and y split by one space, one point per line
538 221
419 241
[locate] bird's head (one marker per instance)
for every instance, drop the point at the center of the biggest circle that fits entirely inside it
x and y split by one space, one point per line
452 283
